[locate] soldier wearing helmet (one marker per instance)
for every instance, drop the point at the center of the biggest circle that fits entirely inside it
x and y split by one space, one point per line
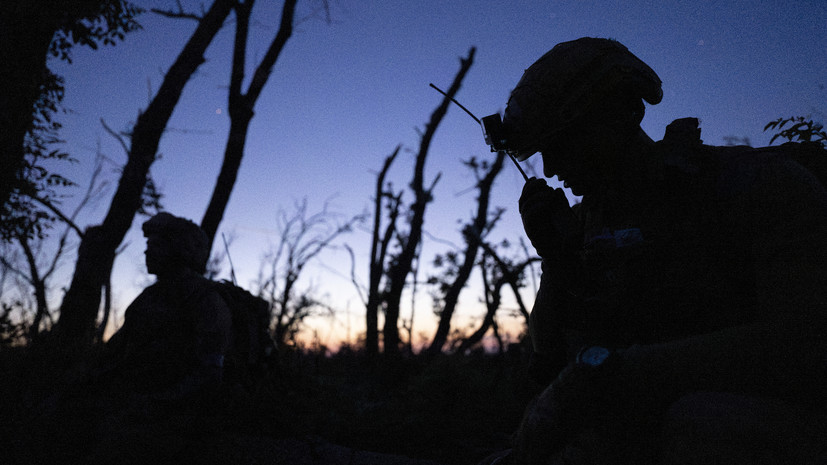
176 333
682 312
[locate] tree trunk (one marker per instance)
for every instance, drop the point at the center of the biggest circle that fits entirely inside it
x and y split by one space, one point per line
38 283
509 276
398 273
493 296
378 252
473 238
241 106
97 248
24 57
27 28
227 176
512 274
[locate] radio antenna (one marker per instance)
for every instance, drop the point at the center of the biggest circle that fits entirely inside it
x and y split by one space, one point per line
227 248
458 104
520 168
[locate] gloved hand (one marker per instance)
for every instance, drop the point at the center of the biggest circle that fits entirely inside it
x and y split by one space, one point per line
548 220
588 411
582 398
574 401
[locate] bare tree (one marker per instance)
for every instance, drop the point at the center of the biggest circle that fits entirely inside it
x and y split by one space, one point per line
492 297
402 262
380 241
38 266
97 249
302 237
13 329
497 273
240 105
473 234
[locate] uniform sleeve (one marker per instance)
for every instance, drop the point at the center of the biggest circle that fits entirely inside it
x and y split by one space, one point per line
780 213
212 338
788 222
545 322
213 329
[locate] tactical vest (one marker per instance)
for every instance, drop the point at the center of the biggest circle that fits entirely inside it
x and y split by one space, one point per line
672 266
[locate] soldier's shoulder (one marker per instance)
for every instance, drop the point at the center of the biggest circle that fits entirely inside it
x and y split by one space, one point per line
736 168
196 286
779 168
682 151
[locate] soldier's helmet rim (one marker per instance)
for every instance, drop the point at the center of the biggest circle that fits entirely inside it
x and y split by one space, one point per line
559 87
188 240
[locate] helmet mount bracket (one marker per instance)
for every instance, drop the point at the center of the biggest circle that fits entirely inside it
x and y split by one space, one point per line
493 131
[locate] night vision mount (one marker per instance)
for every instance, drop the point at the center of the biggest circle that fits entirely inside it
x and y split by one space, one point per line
493 131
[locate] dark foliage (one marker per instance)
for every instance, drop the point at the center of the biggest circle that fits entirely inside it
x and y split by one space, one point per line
25 214
12 332
101 22
452 410
801 129
30 207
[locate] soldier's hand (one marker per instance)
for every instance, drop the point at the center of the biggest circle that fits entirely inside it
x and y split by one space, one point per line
548 220
558 415
553 426
582 404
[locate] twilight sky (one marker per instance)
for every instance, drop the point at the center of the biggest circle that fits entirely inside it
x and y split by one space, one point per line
343 95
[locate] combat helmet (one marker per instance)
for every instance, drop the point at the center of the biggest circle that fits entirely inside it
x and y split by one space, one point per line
565 82
188 240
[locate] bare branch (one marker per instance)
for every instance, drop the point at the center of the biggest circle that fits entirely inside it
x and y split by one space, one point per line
314 13
91 192
378 252
118 137
302 238
263 70
398 273
353 279
511 273
180 14
473 233
241 107
11 267
46 203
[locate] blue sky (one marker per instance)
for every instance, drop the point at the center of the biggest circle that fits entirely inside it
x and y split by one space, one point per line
344 94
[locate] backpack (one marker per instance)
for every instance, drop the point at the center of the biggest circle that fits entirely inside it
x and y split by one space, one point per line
254 352
684 134
812 156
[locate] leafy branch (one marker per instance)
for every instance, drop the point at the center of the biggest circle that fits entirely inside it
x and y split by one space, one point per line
802 129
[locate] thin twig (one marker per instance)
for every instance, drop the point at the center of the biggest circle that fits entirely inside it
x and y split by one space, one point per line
117 136
176 15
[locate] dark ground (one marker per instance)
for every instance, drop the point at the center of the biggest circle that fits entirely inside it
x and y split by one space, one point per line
315 410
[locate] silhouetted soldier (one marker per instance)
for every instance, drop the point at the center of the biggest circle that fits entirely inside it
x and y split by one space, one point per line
682 313
177 332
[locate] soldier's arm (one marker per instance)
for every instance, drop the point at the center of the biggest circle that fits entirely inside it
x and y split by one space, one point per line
782 353
554 231
213 336
545 322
